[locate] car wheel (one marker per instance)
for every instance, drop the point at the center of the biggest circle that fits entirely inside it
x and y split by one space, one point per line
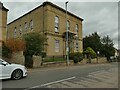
17 74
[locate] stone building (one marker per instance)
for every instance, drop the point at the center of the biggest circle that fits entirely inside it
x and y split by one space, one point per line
50 20
3 22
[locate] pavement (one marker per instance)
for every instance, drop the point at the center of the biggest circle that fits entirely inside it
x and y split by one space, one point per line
63 66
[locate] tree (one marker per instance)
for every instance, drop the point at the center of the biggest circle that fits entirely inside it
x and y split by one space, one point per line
34 42
103 45
107 47
15 45
12 45
92 41
90 53
6 52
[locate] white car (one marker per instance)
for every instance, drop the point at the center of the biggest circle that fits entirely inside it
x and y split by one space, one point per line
13 71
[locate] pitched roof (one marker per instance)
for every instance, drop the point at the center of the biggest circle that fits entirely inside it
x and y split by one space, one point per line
2 7
48 3
45 3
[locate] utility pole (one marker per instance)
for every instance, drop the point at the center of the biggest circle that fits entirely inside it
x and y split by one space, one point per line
67 48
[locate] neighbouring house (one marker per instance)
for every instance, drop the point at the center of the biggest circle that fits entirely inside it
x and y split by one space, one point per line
3 23
50 20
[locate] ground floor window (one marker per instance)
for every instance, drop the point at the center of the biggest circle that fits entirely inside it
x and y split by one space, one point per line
57 46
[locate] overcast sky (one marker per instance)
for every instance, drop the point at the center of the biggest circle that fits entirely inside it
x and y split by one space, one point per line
99 16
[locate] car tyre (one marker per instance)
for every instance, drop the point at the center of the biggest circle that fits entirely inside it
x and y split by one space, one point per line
17 74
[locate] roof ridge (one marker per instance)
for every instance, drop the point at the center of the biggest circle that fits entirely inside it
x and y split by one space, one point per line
50 3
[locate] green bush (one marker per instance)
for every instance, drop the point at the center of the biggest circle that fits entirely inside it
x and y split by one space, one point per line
6 52
43 54
71 55
76 57
91 52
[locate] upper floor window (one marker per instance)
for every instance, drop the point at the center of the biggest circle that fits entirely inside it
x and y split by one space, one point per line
20 30
56 24
77 46
68 25
15 32
31 24
76 27
26 26
57 45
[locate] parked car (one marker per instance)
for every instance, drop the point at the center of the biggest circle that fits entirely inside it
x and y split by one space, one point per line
13 71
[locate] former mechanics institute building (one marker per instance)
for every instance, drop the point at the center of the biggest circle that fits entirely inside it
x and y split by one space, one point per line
50 20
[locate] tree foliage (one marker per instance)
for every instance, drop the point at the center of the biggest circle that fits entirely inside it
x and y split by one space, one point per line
12 45
92 41
103 45
76 57
107 47
15 45
34 46
6 52
89 51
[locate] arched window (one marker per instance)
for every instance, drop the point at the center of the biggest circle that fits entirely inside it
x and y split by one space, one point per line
76 27
31 24
56 24
15 32
57 46
26 26
68 25
20 30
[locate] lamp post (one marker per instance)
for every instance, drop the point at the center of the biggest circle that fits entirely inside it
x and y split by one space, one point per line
98 55
67 48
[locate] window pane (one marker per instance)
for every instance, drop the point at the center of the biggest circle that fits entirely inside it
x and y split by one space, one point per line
77 46
68 25
15 31
56 24
20 30
76 28
56 19
56 29
56 45
31 24
26 26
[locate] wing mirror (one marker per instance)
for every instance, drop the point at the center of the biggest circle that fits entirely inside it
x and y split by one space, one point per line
4 63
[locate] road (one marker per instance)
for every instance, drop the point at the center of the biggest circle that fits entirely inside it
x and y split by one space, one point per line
80 76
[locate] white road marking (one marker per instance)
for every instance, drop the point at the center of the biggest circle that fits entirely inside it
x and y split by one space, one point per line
53 82
97 72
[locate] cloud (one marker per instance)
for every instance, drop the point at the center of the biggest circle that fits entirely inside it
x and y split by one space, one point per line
60 0
101 17
17 9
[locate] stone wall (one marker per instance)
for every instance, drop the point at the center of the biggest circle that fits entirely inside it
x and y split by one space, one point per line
100 60
18 58
37 61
